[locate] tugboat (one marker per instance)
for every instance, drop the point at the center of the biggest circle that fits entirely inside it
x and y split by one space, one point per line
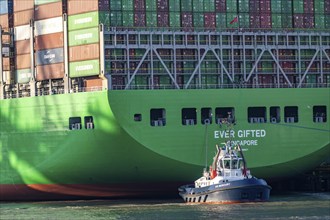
227 181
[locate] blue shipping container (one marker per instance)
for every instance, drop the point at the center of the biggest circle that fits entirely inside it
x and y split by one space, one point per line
6 7
51 56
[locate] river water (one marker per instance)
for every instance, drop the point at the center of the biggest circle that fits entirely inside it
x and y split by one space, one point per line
288 206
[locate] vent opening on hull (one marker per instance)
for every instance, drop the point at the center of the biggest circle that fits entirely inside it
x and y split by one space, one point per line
291 114
158 117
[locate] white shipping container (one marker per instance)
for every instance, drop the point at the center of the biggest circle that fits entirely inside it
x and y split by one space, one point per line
22 32
7 77
48 26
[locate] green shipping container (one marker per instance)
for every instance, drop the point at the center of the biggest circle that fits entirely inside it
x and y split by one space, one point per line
198 5
40 2
128 18
151 5
115 5
198 20
151 19
319 22
287 7
23 75
276 21
127 5
221 21
231 6
84 68
298 6
84 36
319 7
243 6
174 5
186 5
88 20
244 20
175 21
276 6
209 6
116 19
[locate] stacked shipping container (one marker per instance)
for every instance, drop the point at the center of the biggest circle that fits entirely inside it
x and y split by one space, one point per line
83 27
187 15
49 42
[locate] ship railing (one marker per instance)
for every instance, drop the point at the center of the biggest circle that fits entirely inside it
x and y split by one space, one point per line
221 86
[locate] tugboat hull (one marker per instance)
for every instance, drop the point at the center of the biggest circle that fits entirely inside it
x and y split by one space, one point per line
247 190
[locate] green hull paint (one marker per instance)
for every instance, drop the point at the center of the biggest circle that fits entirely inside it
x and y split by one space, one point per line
37 147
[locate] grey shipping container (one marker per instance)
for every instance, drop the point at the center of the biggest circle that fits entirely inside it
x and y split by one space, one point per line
51 56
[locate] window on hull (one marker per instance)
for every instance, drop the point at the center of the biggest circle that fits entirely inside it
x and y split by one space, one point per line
89 122
274 114
319 114
189 116
291 114
74 123
157 117
257 114
222 115
206 116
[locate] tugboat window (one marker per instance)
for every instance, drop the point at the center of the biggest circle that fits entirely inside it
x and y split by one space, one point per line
137 117
74 123
222 115
320 114
274 114
206 116
257 114
157 117
89 122
189 116
291 114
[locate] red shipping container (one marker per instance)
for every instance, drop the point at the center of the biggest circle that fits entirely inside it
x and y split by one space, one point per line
265 5
162 5
308 20
50 10
220 6
254 20
23 61
80 6
51 71
309 6
22 47
265 21
254 6
327 6
298 20
139 5
21 5
5 37
5 63
187 21
209 20
49 41
93 83
23 17
163 19
139 19
84 52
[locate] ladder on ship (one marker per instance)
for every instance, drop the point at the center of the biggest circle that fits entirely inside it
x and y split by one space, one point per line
230 59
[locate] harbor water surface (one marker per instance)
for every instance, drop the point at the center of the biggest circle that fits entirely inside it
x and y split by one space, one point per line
288 206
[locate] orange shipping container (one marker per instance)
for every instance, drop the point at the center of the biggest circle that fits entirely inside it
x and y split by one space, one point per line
93 83
50 10
77 7
5 37
51 71
23 17
23 61
4 21
84 52
21 5
49 41
22 47
5 63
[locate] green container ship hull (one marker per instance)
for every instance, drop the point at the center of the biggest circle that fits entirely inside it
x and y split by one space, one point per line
41 158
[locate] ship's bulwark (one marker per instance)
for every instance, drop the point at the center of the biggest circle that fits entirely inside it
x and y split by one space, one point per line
41 158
